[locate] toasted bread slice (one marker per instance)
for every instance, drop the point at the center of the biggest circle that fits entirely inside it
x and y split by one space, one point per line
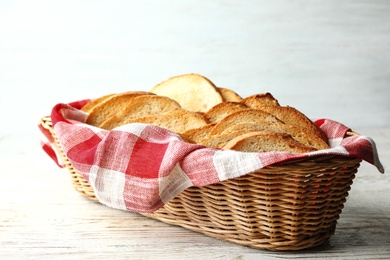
220 140
111 123
178 120
245 116
221 110
92 103
266 141
292 116
141 106
199 133
229 95
193 92
254 101
300 134
112 106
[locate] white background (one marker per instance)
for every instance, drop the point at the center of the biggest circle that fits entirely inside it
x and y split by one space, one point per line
313 55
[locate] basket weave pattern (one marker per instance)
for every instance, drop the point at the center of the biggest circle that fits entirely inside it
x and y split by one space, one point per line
288 206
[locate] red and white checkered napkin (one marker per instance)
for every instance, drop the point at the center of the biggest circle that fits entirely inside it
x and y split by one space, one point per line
139 167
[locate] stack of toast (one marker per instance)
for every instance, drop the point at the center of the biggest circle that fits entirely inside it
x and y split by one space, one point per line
195 108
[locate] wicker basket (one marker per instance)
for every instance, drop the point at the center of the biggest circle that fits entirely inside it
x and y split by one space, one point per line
289 206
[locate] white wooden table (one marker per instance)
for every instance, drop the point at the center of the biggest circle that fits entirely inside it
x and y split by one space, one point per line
326 58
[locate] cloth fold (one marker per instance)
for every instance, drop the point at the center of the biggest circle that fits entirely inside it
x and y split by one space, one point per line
139 167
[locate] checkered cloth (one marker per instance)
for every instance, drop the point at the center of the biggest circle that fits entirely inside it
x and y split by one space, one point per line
139 167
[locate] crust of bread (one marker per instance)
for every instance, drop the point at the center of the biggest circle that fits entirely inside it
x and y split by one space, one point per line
257 100
193 92
245 116
266 141
300 134
92 103
195 135
178 120
112 106
220 140
229 95
221 110
141 106
293 116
